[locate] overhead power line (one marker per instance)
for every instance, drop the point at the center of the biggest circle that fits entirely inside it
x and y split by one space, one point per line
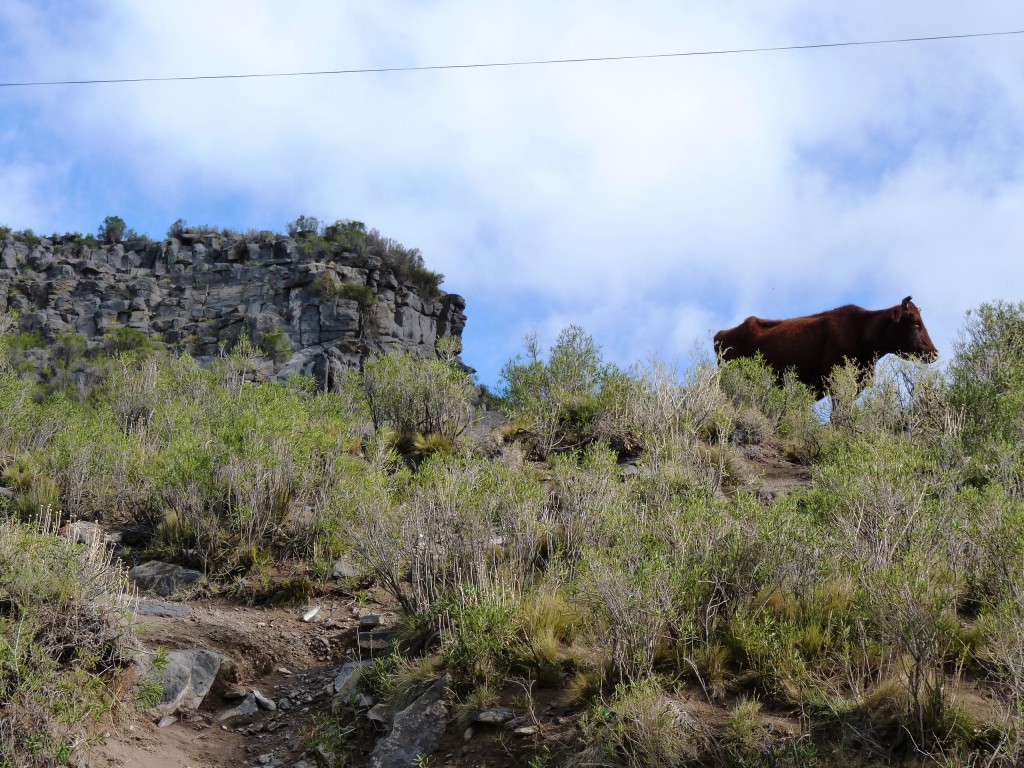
527 63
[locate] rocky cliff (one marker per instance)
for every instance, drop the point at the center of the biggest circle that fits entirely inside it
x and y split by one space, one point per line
311 305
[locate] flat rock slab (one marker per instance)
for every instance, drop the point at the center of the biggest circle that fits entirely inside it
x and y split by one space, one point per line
416 731
163 578
247 708
494 715
161 608
377 640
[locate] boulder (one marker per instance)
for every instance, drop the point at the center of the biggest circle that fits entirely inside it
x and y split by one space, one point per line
163 578
185 679
415 731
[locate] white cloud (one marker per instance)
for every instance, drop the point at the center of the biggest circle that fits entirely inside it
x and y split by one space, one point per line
648 201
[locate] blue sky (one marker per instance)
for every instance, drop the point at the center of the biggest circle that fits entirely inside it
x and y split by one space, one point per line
651 202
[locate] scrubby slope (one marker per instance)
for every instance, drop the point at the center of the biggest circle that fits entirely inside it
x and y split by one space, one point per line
649 571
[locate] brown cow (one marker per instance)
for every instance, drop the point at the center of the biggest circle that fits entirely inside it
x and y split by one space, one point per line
815 344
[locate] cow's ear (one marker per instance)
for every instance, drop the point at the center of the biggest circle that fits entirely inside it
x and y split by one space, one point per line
897 313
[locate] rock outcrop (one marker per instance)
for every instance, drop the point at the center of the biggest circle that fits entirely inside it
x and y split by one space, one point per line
313 308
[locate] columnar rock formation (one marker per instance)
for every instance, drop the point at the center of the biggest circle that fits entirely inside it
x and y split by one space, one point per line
199 292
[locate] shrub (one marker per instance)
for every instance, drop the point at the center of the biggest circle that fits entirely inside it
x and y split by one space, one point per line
405 263
304 226
987 373
642 727
745 735
181 227
177 229
327 285
119 339
346 234
65 633
277 345
113 230
27 236
415 396
360 293
767 412
557 401
68 349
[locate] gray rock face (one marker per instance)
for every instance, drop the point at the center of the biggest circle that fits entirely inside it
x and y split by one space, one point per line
186 679
197 292
163 578
416 730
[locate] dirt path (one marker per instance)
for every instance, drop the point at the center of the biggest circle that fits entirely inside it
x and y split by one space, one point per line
268 649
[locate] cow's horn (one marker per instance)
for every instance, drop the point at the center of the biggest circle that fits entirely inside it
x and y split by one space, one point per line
906 302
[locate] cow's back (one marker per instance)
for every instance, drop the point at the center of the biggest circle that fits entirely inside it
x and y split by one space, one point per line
795 343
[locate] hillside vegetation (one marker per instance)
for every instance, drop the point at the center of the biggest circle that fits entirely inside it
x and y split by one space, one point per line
608 546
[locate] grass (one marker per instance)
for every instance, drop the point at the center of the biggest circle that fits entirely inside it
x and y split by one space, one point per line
65 641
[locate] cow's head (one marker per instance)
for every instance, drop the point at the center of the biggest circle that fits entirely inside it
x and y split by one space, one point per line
906 335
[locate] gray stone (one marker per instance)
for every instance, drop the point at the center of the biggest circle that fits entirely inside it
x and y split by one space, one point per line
343 569
163 578
245 710
185 679
494 715
416 730
9 258
348 675
263 702
161 608
376 641
84 532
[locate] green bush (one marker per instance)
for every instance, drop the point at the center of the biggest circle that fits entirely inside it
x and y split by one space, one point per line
405 263
643 727
68 349
987 373
304 226
277 345
414 396
65 635
360 293
327 285
346 234
113 230
27 236
767 412
177 229
119 339
557 401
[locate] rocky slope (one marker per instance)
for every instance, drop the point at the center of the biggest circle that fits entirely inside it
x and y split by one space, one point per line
317 307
